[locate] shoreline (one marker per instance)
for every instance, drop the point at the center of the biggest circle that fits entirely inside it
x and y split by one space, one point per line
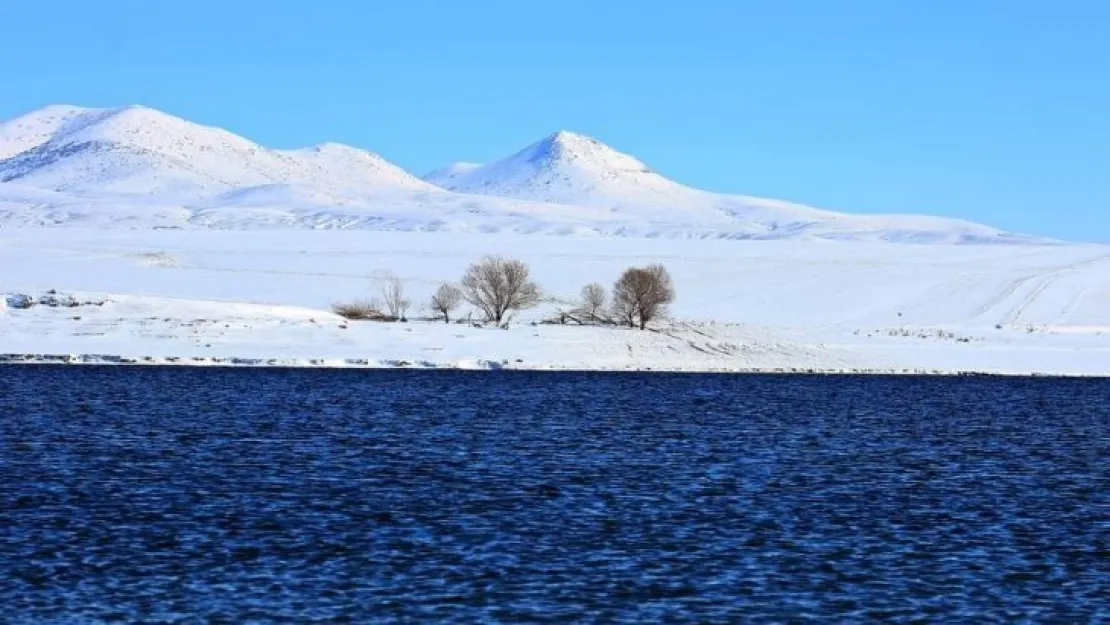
113 360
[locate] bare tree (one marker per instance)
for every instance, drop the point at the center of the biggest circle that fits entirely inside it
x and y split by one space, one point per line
642 294
497 285
624 301
446 298
393 297
593 299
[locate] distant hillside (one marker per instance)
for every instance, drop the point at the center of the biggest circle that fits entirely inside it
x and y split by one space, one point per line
135 166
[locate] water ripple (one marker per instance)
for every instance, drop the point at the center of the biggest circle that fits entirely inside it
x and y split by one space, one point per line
178 495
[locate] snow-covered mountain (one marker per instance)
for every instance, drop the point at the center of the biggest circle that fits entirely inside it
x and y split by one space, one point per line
569 168
138 167
141 151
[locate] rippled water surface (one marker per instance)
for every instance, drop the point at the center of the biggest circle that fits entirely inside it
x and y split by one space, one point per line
199 495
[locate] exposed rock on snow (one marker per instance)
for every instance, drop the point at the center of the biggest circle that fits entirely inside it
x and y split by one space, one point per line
49 299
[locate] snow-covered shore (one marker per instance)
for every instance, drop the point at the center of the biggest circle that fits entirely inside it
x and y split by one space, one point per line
263 298
106 328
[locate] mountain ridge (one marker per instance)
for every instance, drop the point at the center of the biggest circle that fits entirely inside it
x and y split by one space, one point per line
136 149
104 165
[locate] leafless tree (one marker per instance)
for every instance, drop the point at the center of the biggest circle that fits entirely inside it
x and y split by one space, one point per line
497 285
446 298
393 297
642 294
593 299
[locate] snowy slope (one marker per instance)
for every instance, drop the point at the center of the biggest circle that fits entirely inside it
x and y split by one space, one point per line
137 150
138 167
568 168
573 169
447 176
38 127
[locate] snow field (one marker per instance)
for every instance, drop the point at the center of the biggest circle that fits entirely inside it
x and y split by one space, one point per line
742 305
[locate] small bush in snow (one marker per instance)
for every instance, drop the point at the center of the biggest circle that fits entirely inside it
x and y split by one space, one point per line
360 311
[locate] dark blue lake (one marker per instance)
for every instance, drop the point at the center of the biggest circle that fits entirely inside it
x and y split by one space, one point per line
248 495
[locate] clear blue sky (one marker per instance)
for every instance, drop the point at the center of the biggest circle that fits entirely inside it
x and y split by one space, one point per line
991 110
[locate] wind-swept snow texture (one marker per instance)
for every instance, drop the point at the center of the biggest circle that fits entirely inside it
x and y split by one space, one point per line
138 167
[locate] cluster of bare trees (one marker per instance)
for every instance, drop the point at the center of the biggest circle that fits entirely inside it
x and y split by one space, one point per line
495 285
640 296
498 287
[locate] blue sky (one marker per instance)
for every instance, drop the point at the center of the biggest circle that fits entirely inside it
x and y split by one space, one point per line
992 110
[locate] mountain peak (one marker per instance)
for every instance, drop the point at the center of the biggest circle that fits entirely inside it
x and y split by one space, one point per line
149 128
567 144
584 154
569 138
566 168
138 149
